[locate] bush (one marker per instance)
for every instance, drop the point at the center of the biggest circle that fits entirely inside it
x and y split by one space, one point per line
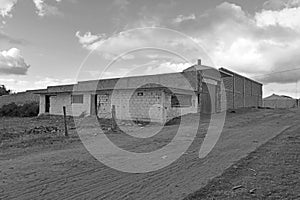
25 110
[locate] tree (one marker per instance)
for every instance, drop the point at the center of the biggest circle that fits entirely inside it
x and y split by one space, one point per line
3 90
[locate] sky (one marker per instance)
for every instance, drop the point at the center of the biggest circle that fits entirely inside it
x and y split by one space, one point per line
53 42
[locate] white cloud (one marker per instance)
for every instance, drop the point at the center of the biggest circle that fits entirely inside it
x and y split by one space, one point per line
46 9
288 17
253 44
6 6
143 42
42 7
14 84
88 38
148 68
166 67
12 62
290 89
182 18
47 81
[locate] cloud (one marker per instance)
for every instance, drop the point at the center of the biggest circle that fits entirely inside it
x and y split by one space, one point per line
6 6
121 4
15 84
88 38
182 18
166 67
12 62
280 4
290 89
287 18
47 81
10 40
252 44
44 9
18 84
141 43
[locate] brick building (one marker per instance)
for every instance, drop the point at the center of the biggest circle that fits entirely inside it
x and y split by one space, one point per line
154 97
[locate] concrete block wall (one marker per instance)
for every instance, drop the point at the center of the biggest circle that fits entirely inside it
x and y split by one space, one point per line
57 103
132 104
104 104
172 112
148 105
64 99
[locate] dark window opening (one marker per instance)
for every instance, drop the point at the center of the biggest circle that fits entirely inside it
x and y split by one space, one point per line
140 94
181 100
77 98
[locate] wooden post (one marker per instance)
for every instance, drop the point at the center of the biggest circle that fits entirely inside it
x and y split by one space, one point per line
65 122
233 91
113 118
199 90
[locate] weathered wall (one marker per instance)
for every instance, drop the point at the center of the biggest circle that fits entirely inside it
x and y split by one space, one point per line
171 112
19 98
64 99
238 91
228 84
132 105
42 104
143 104
242 92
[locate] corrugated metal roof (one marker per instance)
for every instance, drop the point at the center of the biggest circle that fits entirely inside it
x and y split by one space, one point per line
231 72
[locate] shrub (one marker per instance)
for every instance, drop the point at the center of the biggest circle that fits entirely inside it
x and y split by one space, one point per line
25 110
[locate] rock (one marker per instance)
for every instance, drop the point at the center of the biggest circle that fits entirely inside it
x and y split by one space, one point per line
237 187
252 191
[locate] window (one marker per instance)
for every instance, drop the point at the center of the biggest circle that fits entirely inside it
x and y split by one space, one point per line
181 100
77 98
140 94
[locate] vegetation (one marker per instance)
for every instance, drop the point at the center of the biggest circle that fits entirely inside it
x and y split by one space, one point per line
25 110
3 90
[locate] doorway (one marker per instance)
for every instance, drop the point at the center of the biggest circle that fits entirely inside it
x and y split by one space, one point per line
208 99
47 104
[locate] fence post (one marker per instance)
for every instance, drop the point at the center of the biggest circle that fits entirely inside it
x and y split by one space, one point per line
65 121
113 118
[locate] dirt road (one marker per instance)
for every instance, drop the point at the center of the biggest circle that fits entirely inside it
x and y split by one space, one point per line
70 172
270 172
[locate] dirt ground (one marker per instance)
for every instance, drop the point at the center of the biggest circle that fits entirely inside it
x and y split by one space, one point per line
270 172
38 162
